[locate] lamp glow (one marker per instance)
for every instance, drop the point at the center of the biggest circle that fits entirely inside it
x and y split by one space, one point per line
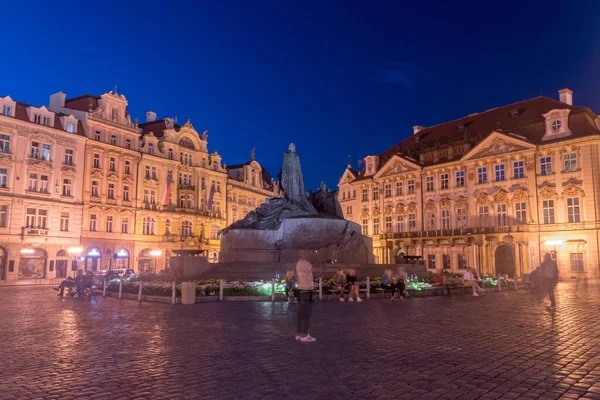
75 250
27 251
554 242
155 253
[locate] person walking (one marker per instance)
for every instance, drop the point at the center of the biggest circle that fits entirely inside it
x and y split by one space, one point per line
470 280
387 282
353 286
304 297
549 278
339 280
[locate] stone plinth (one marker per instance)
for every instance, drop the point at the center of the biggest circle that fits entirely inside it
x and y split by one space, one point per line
328 239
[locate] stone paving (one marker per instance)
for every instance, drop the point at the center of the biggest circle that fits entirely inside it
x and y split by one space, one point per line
501 345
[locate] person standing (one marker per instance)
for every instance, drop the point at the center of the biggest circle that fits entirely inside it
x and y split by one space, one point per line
304 296
339 280
353 285
401 279
549 278
387 282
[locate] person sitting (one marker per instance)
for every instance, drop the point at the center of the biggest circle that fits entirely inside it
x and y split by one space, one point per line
387 282
69 283
470 280
353 286
290 285
339 281
401 279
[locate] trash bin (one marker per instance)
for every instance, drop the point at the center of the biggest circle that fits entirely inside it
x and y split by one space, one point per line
188 292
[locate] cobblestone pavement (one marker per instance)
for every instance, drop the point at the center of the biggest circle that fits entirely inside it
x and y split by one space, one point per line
501 345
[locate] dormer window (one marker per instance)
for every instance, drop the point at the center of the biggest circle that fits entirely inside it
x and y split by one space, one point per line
47 121
6 111
113 140
514 113
556 124
170 154
97 136
37 119
70 127
150 148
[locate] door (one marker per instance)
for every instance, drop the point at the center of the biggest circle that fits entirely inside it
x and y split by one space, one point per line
505 261
61 268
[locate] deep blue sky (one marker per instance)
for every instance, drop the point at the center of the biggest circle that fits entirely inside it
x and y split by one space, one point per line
338 78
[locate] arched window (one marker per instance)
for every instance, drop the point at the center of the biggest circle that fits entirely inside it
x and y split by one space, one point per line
186 228
168 227
253 175
61 253
148 226
150 148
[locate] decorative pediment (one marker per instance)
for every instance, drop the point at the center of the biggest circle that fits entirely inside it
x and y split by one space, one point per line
400 208
481 199
364 213
496 144
375 212
150 183
501 197
347 177
548 192
395 166
430 206
39 165
112 176
412 207
572 190
389 209
96 174
6 159
519 195
461 202
445 203
128 179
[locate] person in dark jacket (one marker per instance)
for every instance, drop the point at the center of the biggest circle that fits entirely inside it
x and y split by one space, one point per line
549 278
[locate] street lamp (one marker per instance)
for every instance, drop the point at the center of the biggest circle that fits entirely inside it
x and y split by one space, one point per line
75 251
553 243
155 254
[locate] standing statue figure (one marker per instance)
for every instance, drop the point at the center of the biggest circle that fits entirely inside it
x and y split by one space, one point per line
326 202
292 182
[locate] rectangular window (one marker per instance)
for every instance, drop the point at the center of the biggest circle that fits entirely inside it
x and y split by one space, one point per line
430 220
365 194
548 211
96 160
501 215
400 223
42 219
147 172
388 224
483 215
375 193
3 177
93 222
95 190
44 183
152 197
154 175
570 162
112 164
460 179
64 222
445 219
47 121
461 218
30 221
521 212
412 222
573 209
66 187
545 165
127 168
4 144
33 182
37 118
70 127
399 189
481 175
446 261
429 183
150 148
111 191
68 157
365 227
431 261
128 144
411 186
461 261
124 224
519 169
387 190
46 152
576 262
170 154
3 216
125 193
109 224
35 150
499 172
113 140
146 197
376 226
444 181
190 203
182 201
6 111
97 136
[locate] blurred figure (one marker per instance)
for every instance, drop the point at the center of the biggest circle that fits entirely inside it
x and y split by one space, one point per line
304 297
549 278
470 280
353 287
290 285
401 279
387 282
339 280
69 282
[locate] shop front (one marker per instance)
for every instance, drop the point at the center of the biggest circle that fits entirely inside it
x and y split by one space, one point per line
93 259
122 259
32 263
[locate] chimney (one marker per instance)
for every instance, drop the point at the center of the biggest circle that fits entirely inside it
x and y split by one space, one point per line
566 96
417 129
150 116
57 101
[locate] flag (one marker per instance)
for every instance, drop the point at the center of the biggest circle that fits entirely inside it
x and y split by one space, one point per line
166 196
211 196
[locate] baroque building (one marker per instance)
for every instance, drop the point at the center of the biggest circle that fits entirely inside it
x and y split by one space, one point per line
85 186
493 190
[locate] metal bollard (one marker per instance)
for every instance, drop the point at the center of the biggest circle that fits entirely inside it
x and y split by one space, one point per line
272 289
104 288
221 290
320 288
174 292
368 288
499 285
120 289
140 291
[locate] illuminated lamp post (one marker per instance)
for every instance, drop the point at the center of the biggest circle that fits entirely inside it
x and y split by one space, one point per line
553 243
156 254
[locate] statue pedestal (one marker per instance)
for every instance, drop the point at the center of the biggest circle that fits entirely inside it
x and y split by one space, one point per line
328 239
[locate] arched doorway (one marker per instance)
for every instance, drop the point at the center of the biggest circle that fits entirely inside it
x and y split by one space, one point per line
505 260
146 262
121 257
62 260
93 259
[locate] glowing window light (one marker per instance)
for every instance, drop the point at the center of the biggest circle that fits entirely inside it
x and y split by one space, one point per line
75 250
553 242
27 251
156 253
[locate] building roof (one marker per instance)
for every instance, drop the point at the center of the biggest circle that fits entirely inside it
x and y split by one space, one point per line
157 128
83 103
524 119
22 115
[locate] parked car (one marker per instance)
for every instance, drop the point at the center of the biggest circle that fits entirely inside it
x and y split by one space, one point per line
125 273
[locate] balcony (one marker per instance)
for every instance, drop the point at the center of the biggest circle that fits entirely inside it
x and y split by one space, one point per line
32 231
187 188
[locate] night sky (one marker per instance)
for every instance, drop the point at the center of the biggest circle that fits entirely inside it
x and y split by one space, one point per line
338 78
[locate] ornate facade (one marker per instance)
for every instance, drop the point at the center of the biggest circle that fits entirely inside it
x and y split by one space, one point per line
82 185
494 190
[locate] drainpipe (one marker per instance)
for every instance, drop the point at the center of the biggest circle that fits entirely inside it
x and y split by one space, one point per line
594 175
537 203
